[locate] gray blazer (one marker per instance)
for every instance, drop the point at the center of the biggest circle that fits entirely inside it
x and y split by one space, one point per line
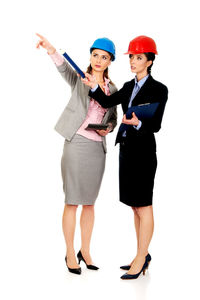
76 110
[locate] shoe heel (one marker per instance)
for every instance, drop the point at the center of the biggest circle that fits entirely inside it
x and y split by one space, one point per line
144 271
81 258
148 264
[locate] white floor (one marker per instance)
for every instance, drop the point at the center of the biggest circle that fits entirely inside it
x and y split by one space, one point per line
33 250
33 96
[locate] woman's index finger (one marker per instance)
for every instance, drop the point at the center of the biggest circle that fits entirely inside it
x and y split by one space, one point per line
40 36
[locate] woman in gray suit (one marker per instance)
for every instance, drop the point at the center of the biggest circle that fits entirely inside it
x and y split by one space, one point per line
83 159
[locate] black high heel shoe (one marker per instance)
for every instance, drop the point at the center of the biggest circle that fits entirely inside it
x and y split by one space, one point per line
135 276
90 267
75 270
127 267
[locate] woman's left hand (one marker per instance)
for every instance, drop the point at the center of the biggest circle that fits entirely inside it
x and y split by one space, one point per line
134 121
105 132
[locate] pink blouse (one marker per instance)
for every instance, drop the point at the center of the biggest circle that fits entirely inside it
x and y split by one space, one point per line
95 112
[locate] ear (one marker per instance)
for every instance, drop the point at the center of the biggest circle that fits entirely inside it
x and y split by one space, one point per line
149 62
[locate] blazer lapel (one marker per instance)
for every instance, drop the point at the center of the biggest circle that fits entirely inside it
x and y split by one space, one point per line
139 98
128 92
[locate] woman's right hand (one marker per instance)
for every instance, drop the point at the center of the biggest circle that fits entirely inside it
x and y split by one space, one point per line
43 42
89 80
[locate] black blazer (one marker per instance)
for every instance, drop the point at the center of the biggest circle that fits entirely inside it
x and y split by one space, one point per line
152 91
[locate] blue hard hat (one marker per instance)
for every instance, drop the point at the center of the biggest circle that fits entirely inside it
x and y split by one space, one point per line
104 44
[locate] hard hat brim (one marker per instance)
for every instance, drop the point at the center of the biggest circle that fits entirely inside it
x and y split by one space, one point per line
112 55
137 52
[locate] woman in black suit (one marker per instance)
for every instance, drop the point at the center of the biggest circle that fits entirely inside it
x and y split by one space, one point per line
137 159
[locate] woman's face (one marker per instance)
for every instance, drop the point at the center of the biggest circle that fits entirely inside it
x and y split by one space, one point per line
139 63
100 60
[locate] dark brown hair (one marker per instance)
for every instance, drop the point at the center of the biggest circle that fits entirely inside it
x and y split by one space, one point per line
150 56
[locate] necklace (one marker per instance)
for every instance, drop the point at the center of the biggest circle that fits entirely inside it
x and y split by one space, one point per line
101 84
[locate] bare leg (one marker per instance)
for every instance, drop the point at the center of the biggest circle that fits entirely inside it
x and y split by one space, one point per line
137 228
146 229
145 235
87 224
69 224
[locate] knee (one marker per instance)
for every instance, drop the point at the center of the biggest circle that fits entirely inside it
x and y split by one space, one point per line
88 208
135 210
71 207
144 211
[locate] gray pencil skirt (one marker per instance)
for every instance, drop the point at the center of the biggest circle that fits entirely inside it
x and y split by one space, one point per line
82 166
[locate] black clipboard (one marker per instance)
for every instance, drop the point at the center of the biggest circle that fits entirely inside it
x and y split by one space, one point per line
93 126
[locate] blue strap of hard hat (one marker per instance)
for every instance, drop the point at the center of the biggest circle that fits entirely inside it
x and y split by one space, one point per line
73 64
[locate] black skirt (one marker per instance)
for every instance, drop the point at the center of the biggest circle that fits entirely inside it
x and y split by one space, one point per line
136 175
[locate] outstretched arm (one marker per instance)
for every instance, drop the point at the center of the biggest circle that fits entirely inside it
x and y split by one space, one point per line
64 68
44 43
105 101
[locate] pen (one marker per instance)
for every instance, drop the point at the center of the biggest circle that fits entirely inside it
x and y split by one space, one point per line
78 70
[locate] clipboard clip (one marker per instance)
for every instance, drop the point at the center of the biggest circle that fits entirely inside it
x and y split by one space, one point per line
143 104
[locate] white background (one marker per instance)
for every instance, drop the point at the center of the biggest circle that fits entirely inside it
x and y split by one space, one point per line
33 95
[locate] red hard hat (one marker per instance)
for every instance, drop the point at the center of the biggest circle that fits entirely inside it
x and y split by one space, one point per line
142 44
